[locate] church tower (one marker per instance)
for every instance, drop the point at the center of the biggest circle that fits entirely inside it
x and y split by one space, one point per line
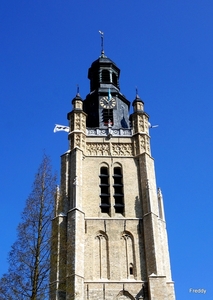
109 238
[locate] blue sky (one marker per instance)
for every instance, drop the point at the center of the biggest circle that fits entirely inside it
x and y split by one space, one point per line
165 48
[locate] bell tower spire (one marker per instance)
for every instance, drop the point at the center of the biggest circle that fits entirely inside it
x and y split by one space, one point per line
109 238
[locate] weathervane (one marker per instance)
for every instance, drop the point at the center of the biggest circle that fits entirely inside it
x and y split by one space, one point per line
102 42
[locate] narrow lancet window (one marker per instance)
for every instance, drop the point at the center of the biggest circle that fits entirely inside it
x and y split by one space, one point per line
128 257
101 264
131 269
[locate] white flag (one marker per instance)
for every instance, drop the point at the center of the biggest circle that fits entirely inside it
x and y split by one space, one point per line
61 128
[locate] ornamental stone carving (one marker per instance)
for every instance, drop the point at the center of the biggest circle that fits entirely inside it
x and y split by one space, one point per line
77 140
83 142
83 123
147 145
142 144
71 124
97 149
141 123
146 125
77 122
124 149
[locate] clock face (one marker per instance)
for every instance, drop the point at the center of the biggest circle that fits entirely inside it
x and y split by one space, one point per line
107 104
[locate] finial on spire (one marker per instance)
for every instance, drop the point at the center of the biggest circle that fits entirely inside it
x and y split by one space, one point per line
137 103
78 90
102 43
136 90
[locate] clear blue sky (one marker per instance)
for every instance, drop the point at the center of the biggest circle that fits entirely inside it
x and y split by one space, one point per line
165 48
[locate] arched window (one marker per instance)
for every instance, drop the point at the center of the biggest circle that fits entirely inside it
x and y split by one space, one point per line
104 190
118 190
128 257
101 267
105 76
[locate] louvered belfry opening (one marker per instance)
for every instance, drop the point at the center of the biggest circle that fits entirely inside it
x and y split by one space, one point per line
104 188
118 190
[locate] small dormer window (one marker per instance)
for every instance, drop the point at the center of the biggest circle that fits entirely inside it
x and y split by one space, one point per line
105 76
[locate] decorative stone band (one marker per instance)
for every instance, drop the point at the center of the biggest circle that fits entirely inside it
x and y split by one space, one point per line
109 149
105 132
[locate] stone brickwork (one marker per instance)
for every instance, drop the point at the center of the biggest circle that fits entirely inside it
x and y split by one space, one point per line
112 255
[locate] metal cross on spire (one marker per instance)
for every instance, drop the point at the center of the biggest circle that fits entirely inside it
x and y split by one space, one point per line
102 43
